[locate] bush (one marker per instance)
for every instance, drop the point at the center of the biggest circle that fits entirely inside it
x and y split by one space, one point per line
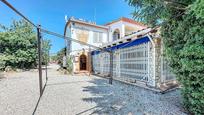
18 45
182 23
185 49
2 62
69 64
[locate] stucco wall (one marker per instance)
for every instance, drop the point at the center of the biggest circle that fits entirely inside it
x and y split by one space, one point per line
74 28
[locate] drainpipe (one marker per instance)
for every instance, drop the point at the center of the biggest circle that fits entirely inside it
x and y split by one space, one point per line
154 60
151 39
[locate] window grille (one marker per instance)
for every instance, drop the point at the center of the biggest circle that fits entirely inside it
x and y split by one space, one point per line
116 62
105 63
128 63
96 64
134 62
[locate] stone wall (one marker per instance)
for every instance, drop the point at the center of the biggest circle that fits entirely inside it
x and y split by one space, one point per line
158 53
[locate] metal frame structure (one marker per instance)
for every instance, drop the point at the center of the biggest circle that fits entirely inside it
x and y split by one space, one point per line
137 61
39 59
131 62
112 64
39 38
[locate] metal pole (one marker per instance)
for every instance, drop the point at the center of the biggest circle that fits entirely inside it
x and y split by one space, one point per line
90 62
39 59
46 65
111 68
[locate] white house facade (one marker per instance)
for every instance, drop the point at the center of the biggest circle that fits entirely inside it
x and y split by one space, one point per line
137 52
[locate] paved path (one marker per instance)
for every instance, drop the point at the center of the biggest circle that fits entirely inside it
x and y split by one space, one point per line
81 95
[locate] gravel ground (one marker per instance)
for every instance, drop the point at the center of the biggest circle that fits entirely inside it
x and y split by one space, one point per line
81 95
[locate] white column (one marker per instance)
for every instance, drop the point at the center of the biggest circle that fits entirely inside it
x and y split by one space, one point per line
122 31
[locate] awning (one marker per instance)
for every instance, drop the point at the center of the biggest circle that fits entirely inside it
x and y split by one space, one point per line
125 45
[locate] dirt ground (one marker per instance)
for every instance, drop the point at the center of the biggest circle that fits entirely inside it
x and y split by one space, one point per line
80 95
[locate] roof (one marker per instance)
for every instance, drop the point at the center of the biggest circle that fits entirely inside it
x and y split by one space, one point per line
135 42
124 19
83 22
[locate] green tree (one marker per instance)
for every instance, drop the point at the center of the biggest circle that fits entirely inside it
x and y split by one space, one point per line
18 45
60 56
46 45
182 30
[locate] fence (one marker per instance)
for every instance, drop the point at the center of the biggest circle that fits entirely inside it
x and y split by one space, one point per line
134 61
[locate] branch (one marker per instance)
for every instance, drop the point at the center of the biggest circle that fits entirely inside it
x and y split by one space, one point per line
176 3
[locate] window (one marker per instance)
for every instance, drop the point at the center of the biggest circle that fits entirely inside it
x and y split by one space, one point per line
116 35
97 37
82 35
100 37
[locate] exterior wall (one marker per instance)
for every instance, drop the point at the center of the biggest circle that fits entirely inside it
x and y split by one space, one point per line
158 62
120 25
85 34
74 29
68 42
76 61
136 27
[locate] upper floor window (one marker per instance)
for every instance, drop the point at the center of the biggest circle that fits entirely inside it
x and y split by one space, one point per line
82 35
97 37
116 35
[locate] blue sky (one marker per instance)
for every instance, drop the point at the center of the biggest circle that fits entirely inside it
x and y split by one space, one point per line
50 13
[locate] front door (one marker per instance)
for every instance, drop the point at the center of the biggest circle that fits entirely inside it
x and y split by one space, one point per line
83 62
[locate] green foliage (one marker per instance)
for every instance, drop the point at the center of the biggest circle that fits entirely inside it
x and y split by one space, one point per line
185 49
183 35
2 61
46 45
59 59
60 56
198 8
69 64
18 45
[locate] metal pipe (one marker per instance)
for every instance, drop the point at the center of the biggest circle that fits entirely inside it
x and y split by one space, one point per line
69 38
49 32
39 59
154 58
150 38
46 65
15 10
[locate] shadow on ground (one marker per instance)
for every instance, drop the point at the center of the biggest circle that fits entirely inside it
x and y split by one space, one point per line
1 75
123 99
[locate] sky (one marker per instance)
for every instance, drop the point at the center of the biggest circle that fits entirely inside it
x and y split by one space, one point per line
51 13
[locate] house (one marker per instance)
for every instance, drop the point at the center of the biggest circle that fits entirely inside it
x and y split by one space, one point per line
137 52
97 35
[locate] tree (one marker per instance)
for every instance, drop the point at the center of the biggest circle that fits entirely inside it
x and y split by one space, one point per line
182 30
60 56
46 45
59 59
18 45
